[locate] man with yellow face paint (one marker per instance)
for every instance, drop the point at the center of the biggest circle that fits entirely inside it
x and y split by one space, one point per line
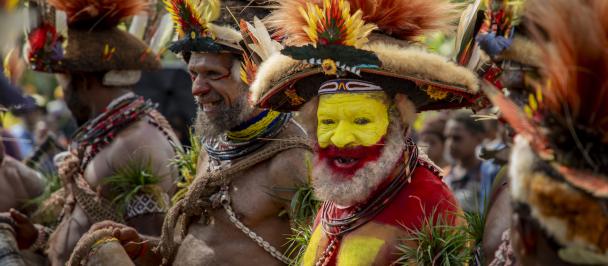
375 184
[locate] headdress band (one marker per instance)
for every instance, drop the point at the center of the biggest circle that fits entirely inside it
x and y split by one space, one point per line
347 86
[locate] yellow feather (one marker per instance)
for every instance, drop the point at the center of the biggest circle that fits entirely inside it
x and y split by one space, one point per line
316 18
532 102
210 10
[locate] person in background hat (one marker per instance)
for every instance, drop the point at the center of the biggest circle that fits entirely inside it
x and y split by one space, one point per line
558 165
121 135
252 160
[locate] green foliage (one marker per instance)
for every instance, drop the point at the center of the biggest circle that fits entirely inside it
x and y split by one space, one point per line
475 225
186 161
298 241
437 242
304 205
133 178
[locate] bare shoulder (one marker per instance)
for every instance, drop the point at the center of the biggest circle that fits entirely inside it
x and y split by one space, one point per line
144 144
15 172
141 139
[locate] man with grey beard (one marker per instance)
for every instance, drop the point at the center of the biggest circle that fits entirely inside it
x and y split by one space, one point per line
252 160
356 65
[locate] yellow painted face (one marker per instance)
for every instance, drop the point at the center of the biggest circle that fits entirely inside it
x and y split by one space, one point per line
351 119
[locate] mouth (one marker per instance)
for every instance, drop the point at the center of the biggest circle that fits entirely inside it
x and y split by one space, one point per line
344 162
348 161
211 106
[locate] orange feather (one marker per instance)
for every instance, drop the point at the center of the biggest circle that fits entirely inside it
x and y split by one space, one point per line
98 13
574 34
403 19
407 19
287 21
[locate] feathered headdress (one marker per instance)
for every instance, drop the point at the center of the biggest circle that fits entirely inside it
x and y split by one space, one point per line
45 48
193 21
498 37
258 46
364 39
94 42
559 165
494 43
565 120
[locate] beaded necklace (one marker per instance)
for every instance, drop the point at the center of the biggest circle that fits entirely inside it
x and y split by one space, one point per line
101 131
247 137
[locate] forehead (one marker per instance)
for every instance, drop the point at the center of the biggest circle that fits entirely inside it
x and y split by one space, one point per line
208 60
356 100
352 104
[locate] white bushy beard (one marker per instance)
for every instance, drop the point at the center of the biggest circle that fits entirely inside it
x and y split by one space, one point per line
346 190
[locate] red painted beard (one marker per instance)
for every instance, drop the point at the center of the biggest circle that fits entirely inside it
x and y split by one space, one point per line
347 161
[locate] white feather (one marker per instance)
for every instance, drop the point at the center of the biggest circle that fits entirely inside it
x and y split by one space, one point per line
266 45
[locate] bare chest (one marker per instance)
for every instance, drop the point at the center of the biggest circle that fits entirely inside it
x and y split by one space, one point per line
254 205
252 194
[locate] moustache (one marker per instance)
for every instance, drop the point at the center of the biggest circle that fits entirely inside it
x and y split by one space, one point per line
350 159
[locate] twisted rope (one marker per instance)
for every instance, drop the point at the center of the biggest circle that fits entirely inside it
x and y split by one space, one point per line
206 185
85 244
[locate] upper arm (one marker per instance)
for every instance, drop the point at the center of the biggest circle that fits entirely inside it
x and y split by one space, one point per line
146 147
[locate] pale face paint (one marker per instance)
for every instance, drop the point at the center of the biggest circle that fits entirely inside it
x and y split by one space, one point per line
352 119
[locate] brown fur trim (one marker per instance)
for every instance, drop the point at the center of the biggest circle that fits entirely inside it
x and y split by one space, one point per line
570 216
86 52
412 63
271 72
415 61
573 218
524 51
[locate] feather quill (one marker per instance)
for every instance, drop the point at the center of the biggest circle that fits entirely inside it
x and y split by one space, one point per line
262 43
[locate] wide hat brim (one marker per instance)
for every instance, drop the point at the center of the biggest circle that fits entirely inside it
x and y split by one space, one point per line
105 50
225 40
429 80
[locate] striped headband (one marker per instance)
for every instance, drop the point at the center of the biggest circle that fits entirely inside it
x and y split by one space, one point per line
347 86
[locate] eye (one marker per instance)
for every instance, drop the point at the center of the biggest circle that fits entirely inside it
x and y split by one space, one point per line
362 121
215 75
328 122
193 75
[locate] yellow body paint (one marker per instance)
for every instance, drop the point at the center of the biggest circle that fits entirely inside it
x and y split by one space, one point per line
359 250
310 255
352 119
